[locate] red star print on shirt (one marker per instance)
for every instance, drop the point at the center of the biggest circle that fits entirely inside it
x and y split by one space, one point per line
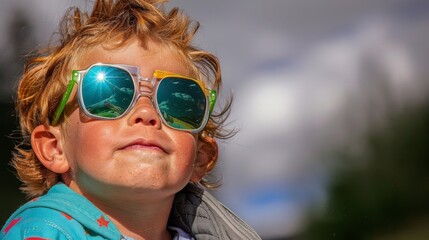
67 216
102 222
11 224
36 238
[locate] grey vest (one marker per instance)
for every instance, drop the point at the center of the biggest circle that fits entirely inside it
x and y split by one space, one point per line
198 212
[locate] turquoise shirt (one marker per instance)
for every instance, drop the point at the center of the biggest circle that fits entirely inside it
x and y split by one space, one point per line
63 214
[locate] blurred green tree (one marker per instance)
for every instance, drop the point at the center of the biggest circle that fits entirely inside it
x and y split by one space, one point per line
386 197
21 40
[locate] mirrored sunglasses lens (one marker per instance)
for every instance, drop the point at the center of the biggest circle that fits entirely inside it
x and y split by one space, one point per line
182 103
107 91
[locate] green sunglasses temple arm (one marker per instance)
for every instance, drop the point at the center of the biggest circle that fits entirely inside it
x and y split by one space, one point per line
212 100
65 98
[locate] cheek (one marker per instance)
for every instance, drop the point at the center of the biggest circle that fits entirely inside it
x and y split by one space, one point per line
186 153
96 141
88 143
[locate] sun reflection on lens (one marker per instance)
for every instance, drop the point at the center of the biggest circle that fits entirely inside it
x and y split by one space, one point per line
101 77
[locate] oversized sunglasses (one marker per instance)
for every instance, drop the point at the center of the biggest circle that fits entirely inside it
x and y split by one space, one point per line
109 91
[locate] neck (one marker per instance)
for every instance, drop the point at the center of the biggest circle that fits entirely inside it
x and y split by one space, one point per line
140 220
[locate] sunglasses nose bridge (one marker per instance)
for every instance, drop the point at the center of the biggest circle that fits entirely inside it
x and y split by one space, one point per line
145 86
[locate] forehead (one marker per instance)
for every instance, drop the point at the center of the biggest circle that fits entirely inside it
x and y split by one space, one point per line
148 57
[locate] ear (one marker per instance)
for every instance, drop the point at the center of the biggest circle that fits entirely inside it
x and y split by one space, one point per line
46 144
207 155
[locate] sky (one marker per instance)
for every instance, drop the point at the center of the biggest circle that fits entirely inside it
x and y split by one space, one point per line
302 73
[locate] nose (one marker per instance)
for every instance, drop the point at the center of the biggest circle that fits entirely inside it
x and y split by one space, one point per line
144 113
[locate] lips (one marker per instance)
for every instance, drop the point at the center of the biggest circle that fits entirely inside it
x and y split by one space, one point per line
143 144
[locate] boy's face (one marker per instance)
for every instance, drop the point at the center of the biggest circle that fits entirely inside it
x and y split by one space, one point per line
135 154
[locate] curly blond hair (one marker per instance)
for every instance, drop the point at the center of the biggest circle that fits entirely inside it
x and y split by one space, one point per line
45 75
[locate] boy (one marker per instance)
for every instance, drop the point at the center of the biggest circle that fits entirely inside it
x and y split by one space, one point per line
119 121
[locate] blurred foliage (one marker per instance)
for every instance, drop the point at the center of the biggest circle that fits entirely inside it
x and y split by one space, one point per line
12 197
383 192
22 40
